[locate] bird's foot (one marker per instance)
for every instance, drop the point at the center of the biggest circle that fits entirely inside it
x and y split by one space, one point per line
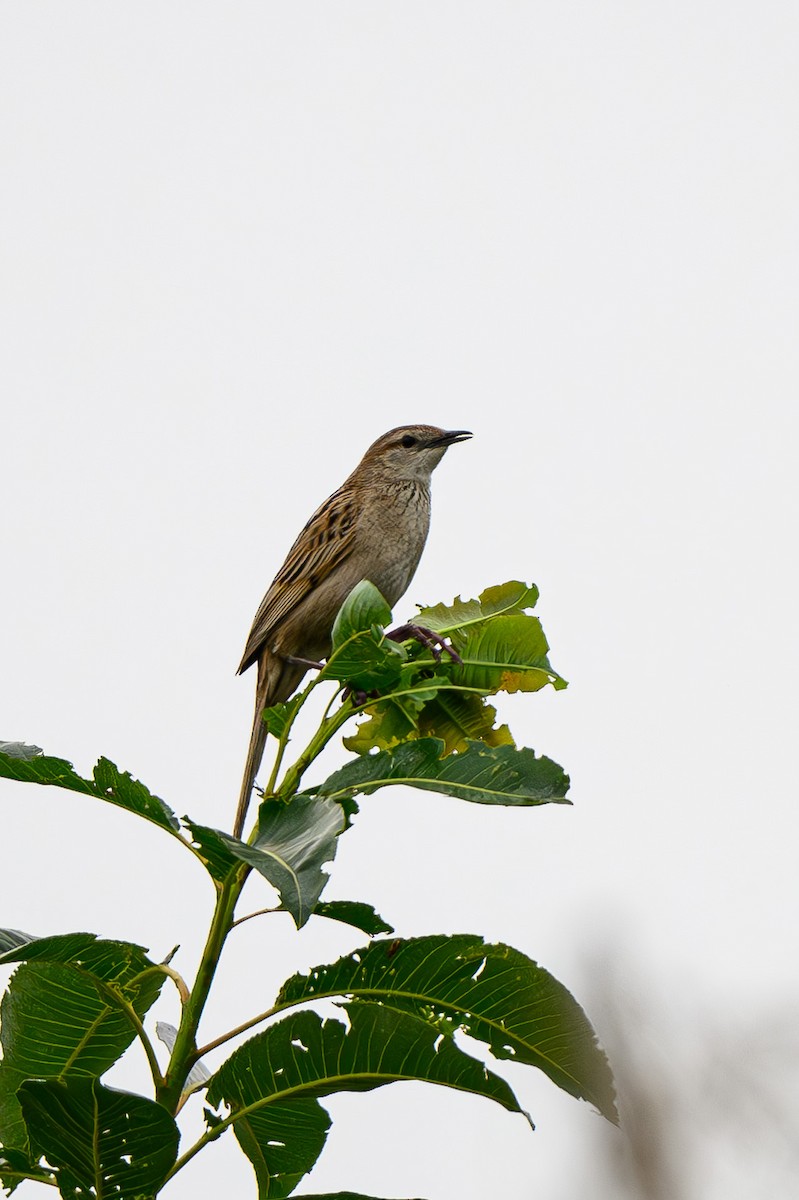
303 662
430 640
358 696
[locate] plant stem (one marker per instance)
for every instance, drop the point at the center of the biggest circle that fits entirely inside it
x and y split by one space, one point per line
261 912
210 1135
178 980
245 1025
184 1050
327 729
162 968
14 1178
283 739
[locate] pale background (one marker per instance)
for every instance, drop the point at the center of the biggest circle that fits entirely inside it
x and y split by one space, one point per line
241 240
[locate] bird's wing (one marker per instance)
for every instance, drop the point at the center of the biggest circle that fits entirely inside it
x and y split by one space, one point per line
324 543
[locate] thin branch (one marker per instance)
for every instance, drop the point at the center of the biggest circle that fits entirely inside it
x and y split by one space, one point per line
231 1033
324 733
178 980
210 1135
14 1177
258 913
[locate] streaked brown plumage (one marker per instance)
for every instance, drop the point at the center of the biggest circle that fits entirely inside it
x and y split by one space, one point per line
373 527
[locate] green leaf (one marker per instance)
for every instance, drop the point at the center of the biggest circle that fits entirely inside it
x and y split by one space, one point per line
108 783
502 647
512 597
353 912
387 722
280 1072
279 716
100 1141
484 774
65 1013
282 1141
110 960
460 717
367 662
214 848
361 656
448 713
492 992
364 607
508 653
13 1132
294 841
16 1167
395 717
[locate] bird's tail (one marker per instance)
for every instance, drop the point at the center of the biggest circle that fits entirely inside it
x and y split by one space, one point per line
255 753
277 680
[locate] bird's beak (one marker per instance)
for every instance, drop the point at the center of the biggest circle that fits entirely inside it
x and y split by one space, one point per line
450 436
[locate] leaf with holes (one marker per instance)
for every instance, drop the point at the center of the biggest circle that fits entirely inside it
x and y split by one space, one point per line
272 1082
506 654
355 913
294 841
483 774
16 1167
427 705
108 783
460 717
387 722
492 992
99 1141
512 597
70 1009
214 848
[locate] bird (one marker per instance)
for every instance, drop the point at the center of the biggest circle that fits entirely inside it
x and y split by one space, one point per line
373 527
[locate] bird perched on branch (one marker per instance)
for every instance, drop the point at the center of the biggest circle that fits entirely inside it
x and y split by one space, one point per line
373 527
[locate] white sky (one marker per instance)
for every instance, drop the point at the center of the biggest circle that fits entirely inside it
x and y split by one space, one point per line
241 240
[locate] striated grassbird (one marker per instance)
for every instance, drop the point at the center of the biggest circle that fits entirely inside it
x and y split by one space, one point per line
373 527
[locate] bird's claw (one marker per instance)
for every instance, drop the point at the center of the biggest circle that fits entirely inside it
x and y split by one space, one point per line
358 696
431 641
310 663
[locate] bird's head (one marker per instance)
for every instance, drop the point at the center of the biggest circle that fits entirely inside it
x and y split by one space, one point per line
410 451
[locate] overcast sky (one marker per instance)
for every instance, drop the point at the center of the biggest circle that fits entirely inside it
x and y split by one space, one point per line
241 240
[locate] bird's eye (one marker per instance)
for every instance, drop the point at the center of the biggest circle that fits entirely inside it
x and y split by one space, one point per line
408 441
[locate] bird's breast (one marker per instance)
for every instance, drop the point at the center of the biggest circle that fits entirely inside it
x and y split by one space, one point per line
391 536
